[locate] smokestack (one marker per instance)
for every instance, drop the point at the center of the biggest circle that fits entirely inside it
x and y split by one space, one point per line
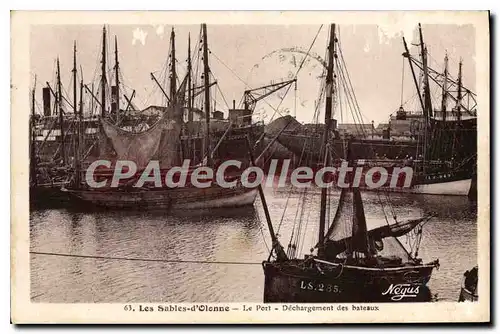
46 100
114 99
234 104
333 124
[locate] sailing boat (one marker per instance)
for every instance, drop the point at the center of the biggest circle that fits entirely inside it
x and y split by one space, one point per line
449 136
160 141
47 177
351 264
443 149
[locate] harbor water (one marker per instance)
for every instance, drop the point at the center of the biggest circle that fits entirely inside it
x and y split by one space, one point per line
128 256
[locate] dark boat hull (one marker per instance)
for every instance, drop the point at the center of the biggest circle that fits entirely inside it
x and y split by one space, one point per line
468 291
51 195
288 283
309 147
467 296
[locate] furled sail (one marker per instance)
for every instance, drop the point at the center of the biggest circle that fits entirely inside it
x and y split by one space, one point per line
397 229
388 231
359 230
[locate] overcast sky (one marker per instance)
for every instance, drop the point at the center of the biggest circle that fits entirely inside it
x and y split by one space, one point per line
247 56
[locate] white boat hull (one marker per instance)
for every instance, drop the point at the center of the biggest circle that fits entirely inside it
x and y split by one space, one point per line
451 188
458 188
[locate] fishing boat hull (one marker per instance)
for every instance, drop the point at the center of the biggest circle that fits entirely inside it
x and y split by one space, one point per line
168 199
289 283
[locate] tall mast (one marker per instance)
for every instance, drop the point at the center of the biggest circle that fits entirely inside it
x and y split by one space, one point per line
33 138
189 104
103 74
328 116
427 95
459 93
77 139
74 79
207 94
189 70
80 113
60 111
117 82
79 135
33 99
407 55
445 88
173 75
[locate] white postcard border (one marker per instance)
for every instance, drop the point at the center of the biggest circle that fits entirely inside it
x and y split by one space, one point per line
24 311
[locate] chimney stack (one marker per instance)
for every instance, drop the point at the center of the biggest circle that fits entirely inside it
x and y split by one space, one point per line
46 100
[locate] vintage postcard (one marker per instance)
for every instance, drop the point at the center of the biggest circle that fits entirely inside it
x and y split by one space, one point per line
250 167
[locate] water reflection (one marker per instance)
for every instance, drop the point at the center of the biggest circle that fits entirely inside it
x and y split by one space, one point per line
218 235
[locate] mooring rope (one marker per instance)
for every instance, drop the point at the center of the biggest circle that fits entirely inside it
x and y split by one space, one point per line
99 257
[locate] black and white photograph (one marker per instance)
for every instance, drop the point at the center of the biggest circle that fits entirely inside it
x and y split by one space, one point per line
285 168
